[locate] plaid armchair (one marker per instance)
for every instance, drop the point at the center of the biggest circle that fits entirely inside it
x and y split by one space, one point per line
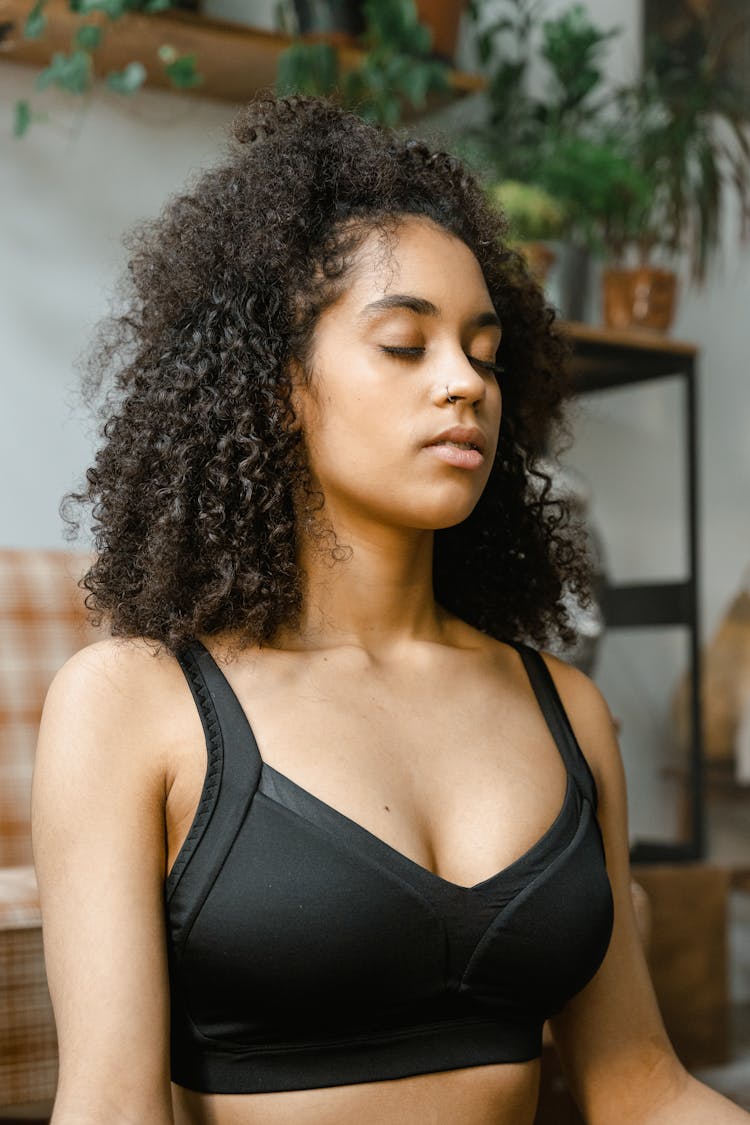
42 623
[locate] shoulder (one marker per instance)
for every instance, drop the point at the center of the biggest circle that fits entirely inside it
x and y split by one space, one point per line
591 719
116 700
114 672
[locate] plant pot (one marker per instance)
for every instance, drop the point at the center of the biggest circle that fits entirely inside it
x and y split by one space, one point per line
443 17
639 298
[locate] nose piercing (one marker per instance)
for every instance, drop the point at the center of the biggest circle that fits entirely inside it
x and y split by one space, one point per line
451 398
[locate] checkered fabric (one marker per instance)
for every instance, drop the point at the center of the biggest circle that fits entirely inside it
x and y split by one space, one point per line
42 623
28 1045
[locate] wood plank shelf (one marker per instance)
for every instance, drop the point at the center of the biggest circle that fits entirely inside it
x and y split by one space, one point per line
235 61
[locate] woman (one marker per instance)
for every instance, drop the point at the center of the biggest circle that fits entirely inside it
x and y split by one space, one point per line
381 817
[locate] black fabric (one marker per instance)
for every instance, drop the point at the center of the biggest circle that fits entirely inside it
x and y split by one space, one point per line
304 951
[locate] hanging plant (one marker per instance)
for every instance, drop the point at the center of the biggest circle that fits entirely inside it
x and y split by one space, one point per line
76 71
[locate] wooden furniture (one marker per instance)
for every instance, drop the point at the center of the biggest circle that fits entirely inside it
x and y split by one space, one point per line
42 623
605 358
235 61
688 956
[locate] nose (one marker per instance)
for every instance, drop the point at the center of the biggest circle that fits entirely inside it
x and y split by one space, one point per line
461 382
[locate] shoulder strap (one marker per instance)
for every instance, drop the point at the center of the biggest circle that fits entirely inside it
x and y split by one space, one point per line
232 775
557 719
219 697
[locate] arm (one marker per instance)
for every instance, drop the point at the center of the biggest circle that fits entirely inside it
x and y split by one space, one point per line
98 831
615 1052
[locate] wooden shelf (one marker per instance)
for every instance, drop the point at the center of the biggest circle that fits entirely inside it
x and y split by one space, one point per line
719 779
235 61
607 357
635 340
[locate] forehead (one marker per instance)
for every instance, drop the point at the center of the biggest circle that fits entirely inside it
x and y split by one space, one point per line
417 256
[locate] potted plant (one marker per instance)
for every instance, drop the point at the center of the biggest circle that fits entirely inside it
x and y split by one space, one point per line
536 219
528 125
611 202
643 171
395 67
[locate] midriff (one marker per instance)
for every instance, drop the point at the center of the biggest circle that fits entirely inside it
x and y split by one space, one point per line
503 1094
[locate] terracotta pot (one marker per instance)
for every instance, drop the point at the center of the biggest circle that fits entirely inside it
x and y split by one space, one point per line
443 18
639 298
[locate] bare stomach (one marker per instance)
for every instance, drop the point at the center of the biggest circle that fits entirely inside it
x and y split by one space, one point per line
503 1094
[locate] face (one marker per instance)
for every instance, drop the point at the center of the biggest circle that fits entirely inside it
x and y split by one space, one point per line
402 411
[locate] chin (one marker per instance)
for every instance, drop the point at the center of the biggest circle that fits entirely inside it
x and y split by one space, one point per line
437 517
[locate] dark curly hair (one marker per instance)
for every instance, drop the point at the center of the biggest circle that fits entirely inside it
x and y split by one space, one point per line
195 491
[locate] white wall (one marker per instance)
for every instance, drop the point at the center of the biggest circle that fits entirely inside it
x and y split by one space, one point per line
69 190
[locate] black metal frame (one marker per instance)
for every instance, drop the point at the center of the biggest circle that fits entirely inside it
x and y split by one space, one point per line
602 361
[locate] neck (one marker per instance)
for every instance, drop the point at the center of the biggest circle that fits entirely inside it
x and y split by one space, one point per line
378 596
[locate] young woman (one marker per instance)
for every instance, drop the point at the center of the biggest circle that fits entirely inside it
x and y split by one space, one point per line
322 835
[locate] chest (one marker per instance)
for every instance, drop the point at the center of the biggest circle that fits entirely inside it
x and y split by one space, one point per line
453 766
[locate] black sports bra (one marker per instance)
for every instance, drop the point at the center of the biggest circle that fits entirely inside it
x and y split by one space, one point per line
305 952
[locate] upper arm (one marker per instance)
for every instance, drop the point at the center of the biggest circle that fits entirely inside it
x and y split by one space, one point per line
98 833
610 1036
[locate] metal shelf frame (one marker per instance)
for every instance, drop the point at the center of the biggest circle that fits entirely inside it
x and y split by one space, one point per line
603 359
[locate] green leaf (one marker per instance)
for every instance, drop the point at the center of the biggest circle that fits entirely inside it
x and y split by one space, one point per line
182 72
72 72
127 81
112 8
157 6
35 21
89 36
21 118
307 68
414 83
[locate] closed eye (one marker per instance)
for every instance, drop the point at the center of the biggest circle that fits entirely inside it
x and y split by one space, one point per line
416 353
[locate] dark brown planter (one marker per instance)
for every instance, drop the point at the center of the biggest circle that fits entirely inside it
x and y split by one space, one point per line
639 298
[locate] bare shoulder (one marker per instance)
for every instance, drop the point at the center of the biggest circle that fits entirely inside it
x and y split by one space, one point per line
118 697
113 668
589 715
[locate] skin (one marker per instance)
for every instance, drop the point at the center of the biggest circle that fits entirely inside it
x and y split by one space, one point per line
386 685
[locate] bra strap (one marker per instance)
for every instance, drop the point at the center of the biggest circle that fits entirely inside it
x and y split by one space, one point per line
232 776
557 719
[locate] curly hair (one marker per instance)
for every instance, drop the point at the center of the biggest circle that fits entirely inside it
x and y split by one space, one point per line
195 491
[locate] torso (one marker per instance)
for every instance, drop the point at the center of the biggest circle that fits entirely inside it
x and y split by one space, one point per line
444 754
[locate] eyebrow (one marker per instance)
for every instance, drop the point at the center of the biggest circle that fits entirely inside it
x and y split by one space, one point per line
423 307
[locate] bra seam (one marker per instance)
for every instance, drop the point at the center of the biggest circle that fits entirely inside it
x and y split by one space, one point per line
378 1038
321 830
527 890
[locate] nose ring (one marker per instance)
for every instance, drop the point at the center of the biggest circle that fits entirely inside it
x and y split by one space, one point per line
451 398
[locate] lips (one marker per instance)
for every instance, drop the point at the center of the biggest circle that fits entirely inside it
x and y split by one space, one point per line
462 437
